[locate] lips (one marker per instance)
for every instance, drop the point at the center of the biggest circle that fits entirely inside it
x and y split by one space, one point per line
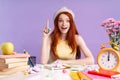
63 27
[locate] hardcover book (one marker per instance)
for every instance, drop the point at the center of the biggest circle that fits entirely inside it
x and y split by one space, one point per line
11 65
15 55
13 60
74 75
83 76
105 73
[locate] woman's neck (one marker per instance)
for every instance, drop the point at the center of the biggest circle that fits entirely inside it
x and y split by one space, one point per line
63 36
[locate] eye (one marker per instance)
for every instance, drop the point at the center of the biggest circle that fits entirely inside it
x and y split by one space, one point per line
60 20
68 20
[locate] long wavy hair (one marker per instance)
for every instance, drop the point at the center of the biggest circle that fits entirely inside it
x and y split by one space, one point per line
70 36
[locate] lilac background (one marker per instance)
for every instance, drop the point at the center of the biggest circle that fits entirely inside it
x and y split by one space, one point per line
22 21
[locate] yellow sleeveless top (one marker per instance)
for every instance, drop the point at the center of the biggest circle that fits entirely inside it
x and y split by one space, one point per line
64 51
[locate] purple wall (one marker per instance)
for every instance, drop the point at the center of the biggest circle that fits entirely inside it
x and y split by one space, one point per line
22 21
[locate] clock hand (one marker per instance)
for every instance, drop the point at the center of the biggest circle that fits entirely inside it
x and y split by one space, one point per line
108 56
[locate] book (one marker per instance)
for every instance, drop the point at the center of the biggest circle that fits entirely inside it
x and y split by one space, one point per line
13 70
79 76
18 67
15 55
83 76
105 73
13 60
11 65
74 75
98 77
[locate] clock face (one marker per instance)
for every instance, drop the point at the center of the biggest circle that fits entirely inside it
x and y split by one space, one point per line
108 59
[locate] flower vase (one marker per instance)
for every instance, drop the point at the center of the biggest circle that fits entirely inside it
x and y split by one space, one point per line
116 42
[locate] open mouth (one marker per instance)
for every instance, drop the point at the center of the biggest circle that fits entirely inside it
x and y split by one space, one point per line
64 28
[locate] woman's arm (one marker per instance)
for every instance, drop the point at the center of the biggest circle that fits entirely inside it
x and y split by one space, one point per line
88 57
45 50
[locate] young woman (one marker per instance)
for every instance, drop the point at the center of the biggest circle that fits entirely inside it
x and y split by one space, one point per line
64 44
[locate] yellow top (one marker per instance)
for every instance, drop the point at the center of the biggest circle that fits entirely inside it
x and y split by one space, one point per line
64 51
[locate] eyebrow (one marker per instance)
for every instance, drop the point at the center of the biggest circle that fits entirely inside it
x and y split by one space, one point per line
62 18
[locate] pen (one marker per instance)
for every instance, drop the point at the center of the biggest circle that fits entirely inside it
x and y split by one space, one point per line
29 60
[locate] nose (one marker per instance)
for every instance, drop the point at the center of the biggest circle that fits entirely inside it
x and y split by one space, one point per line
64 22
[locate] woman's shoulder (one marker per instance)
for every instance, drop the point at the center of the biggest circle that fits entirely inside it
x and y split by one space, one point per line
78 37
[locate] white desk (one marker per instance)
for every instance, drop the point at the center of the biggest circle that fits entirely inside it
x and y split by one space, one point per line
46 74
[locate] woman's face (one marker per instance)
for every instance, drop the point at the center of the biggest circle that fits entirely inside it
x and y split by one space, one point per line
63 23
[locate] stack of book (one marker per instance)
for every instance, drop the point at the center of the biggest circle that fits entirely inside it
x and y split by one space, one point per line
13 63
100 74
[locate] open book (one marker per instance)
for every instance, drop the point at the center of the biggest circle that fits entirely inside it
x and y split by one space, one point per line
62 66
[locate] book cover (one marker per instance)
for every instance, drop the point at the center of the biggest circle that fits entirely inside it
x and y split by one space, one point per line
87 76
13 60
83 76
106 73
11 65
74 75
15 55
79 75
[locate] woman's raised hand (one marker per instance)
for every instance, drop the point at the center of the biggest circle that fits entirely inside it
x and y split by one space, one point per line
46 30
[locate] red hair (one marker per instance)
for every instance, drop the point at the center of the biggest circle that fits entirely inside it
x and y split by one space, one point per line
70 36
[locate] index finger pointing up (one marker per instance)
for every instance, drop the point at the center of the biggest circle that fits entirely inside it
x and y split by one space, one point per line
47 24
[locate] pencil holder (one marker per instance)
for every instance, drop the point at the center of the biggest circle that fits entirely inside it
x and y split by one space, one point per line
33 59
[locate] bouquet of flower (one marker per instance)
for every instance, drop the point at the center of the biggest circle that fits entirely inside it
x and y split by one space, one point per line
113 30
